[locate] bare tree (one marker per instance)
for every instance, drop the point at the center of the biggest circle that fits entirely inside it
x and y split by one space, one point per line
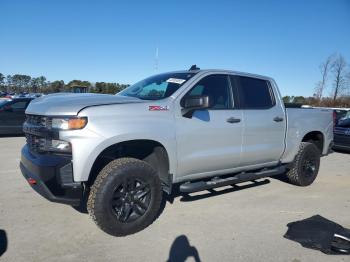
324 69
347 84
339 72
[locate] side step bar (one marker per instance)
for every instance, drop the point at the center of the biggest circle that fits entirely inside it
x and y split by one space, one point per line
190 187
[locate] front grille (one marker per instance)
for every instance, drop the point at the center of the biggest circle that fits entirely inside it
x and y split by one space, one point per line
35 129
35 143
40 135
39 121
342 131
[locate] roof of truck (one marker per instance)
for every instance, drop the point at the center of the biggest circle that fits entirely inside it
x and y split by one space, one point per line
225 71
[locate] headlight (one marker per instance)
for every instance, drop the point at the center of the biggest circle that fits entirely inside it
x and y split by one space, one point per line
69 123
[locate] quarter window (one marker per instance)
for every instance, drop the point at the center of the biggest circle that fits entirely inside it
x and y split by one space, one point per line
255 93
217 88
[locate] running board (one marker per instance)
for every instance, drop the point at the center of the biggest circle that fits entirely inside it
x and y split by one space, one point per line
190 187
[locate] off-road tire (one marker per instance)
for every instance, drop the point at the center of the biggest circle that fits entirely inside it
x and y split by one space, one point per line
297 174
112 175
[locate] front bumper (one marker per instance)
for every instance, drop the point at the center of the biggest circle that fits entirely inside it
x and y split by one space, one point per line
51 176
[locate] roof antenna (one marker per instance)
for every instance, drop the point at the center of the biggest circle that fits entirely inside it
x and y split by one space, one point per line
156 59
194 67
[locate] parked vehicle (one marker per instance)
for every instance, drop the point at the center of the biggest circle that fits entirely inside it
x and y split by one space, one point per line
338 114
12 115
199 128
342 132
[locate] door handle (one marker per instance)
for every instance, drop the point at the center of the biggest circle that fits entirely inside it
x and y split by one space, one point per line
278 119
232 120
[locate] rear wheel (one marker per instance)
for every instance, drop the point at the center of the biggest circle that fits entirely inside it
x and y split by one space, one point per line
125 197
305 167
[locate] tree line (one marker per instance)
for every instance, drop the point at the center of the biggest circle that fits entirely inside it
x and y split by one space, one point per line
19 83
333 88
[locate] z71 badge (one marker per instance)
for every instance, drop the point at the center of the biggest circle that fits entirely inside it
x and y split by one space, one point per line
158 108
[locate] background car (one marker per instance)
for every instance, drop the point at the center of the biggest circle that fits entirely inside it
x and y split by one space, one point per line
344 121
342 130
12 115
338 114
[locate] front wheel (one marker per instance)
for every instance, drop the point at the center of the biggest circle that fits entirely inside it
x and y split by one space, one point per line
125 197
305 167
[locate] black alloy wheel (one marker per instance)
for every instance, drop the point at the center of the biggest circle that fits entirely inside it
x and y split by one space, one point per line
309 164
131 199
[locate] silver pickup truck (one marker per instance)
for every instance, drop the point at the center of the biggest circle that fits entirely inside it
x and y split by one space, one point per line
198 129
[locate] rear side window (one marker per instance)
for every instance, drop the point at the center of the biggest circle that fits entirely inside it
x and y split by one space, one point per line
255 93
17 106
20 105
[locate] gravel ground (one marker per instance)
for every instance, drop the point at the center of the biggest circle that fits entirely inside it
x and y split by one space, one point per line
236 224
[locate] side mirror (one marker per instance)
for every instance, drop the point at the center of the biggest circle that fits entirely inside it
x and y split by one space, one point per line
193 103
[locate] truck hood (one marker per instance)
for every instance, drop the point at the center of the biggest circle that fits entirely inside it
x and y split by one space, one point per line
71 104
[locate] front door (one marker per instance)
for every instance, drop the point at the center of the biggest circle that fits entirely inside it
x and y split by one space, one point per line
211 139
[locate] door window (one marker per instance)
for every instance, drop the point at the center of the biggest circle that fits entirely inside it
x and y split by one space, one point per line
255 93
217 88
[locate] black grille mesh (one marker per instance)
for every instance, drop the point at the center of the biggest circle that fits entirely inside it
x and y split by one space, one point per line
38 121
37 143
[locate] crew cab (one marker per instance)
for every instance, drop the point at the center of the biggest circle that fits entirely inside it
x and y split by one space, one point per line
198 129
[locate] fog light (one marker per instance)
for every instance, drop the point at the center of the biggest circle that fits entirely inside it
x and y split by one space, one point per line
61 146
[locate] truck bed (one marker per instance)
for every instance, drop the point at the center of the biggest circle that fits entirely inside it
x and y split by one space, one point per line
302 121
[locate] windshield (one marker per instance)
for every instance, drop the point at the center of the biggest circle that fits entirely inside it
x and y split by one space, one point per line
158 86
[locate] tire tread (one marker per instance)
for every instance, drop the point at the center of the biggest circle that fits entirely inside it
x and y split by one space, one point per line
100 181
294 175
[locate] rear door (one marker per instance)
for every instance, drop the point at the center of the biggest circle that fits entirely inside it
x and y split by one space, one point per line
264 118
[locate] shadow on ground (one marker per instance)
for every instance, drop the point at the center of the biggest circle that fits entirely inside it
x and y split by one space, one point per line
3 242
282 177
185 197
342 151
181 250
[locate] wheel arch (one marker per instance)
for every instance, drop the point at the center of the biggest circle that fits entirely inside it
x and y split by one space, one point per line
315 137
151 151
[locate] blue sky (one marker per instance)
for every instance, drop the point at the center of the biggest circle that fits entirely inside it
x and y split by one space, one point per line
115 41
